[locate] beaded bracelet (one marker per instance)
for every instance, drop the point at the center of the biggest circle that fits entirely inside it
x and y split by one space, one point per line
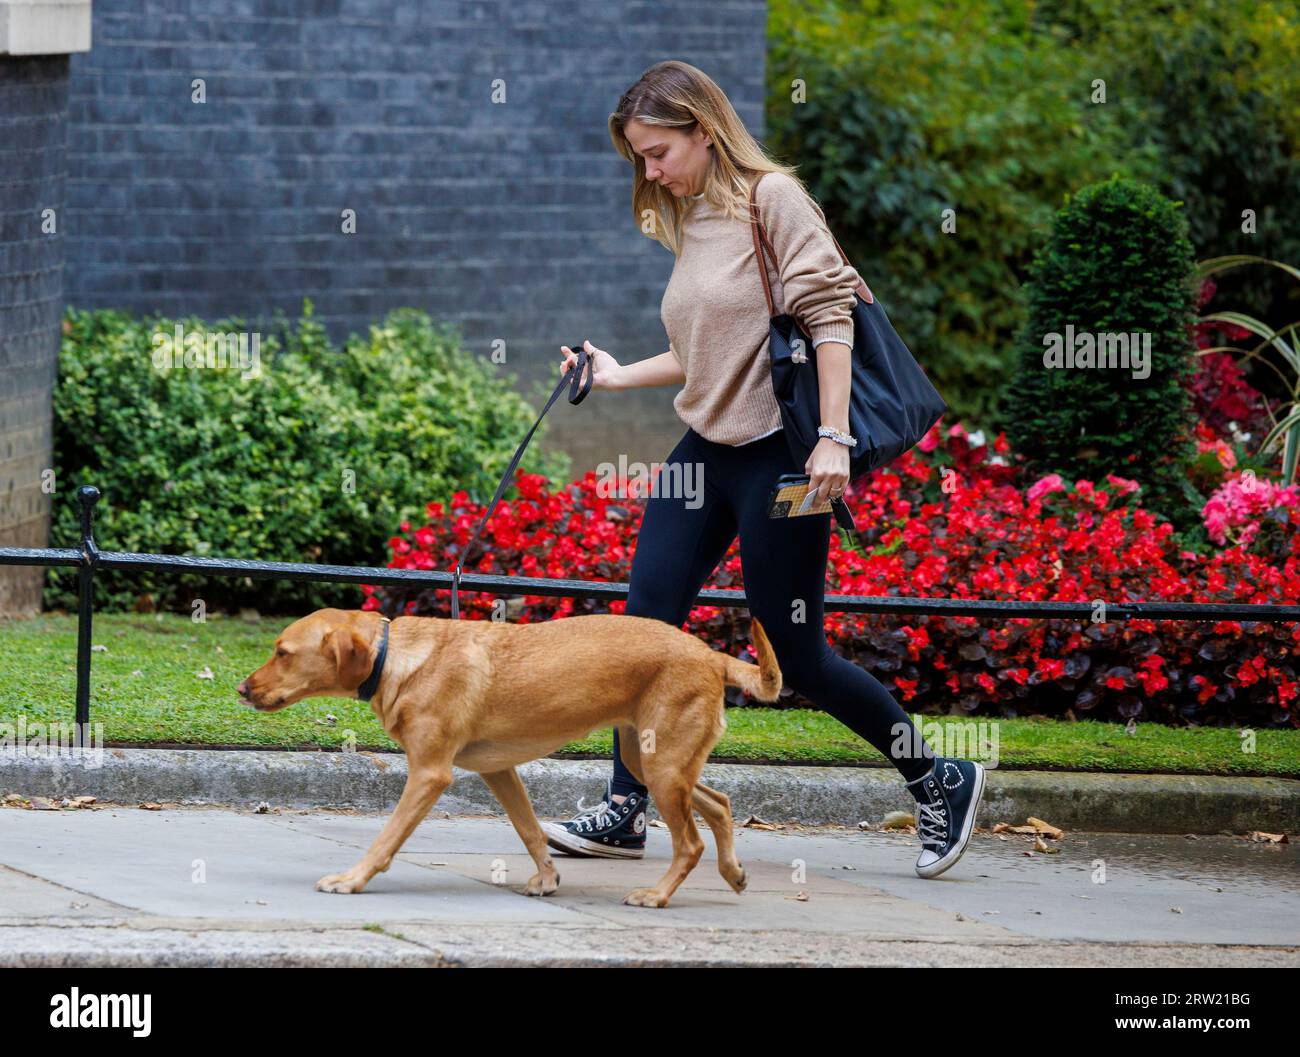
836 435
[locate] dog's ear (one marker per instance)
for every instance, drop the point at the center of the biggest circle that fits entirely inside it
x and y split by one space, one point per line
351 655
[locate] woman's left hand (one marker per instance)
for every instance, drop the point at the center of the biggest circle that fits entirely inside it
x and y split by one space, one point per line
828 468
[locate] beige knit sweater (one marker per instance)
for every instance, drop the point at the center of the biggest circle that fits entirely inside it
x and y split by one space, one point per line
716 315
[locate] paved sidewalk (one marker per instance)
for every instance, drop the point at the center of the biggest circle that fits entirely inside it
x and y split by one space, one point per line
119 885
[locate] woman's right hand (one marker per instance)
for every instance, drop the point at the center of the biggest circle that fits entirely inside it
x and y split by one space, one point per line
604 368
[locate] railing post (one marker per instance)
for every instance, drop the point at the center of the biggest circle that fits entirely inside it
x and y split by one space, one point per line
87 496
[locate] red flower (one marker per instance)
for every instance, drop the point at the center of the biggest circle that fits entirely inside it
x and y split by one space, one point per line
1051 667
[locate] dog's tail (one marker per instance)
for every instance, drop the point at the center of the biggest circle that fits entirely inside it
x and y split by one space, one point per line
762 681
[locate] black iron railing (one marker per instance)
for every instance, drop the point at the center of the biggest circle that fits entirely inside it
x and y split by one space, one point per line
89 557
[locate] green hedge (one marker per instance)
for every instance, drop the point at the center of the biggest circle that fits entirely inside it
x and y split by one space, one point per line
316 458
1118 262
1218 84
986 107
914 109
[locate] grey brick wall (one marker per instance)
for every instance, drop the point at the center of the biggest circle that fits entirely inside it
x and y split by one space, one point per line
513 220
33 131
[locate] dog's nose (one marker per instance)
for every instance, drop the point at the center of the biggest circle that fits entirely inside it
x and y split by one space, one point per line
243 688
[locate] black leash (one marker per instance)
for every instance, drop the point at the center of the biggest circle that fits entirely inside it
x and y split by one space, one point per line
578 391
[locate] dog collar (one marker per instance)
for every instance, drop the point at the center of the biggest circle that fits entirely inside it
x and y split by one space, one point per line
367 689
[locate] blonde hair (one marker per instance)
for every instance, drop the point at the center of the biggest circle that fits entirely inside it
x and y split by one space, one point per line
677 95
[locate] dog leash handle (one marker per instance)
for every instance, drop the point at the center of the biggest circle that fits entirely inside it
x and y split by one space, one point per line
578 390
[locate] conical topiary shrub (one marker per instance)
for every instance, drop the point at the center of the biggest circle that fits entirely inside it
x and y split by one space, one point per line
1107 352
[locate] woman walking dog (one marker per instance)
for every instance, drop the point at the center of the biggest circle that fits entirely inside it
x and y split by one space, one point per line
694 165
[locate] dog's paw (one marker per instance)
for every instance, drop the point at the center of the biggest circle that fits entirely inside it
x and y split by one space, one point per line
342 883
740 881
645 897
542 884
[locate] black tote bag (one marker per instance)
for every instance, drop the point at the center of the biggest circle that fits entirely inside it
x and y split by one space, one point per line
892 404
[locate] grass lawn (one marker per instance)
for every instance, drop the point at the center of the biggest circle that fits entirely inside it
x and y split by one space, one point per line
150 686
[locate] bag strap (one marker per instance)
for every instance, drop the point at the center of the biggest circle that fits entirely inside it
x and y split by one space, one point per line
839 507
760 233
573 379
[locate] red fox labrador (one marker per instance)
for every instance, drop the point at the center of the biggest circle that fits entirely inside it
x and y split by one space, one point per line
489 695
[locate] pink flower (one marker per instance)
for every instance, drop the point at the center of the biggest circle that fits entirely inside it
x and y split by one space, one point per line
1239 503
1122 485
1215 516
1051 483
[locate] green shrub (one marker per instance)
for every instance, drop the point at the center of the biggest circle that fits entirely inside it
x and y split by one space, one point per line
987 107
914 109
1118 261
317 458
1217 82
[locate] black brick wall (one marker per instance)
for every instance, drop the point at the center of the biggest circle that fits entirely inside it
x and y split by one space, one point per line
33 132
511 219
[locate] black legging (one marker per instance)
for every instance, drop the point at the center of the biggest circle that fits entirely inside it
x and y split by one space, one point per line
783 561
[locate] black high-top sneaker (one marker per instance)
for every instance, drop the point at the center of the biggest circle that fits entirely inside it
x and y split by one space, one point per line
947 800
609 830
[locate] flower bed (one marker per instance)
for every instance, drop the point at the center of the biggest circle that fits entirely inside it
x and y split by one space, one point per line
946 520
